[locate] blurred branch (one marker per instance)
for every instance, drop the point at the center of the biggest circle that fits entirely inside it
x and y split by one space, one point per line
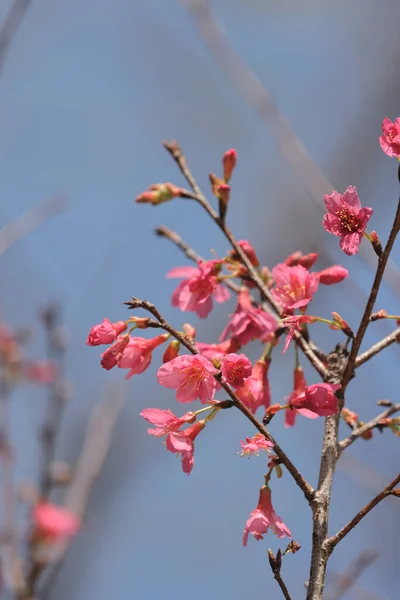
10 27
349 578
259 99
29 221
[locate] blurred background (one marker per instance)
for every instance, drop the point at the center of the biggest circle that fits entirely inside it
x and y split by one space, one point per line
88 90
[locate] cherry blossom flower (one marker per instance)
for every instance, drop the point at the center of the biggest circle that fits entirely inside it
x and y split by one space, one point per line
249 323
105 333
318 398
298 258
218 351
199 286
294 286
346 219
42 371
390 138
252 446
235 369
263 518
191 376
111 356
255 391
182 442
294 323
299 387
332 275
138 354
165 420
54 522
229 161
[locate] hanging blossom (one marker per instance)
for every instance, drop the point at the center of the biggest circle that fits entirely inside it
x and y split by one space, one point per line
182 442
105 332
294 323
191 376
137 354
390 138
346 219
53 522
249 323
294 286
263 518
255 391
318 398
111 356
165 421
199 286
235 369
218 351
253 446
299 387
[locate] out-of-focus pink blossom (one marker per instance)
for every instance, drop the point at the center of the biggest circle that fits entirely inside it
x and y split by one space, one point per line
294 286
235 369
218 351
298 258
248 323
346 219
255 391
138 354
332 275
40 371
54 522
105 332
390 138
112 355
264 518
182 442
199 286
319 398
229 161
191 376
253 446
165 420
294 323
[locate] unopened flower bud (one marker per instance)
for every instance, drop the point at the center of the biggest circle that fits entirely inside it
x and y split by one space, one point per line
189 331
376 243
172 351
298 258
340 323
224 191
159 193
332 275
229 161
140 322
249 252
380 314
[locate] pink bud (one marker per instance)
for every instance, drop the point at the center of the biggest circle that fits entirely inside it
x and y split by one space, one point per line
249 252
380 314
229 161
158 193
110 357
172 351
105 333
298 258
189 331
331 275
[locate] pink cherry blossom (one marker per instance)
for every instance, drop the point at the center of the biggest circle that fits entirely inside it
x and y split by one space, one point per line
218 351
165 420
332 275
255 391
191 376
249 323
294 286
294 323
318 398
229 161
252 446
235 369
112 355
138 354
182 442
54 522
390 138
105 333
199 286
42 371
346 219
263 518
299 387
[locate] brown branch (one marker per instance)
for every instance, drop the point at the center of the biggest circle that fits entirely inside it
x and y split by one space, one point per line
174 149
366 427
276 564
378 347
189 345
349 578
10 27
333 541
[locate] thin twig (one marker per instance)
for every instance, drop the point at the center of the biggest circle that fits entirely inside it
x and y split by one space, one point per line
297 476
276 565
349 578
333 541
378 347
367 426
10 27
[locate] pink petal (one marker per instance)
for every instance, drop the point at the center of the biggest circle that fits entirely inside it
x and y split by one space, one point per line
179 272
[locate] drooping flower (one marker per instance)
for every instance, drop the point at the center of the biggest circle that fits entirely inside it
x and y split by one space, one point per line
390 138
235 369
332 275
111 356
319 398
105 332
191 376
298 258
43 371
255 391
299 387
218 351
249 323
253 446
294 323
182 442
199 286
54 522
229 161
294 286
346 219
165 420
138 354
263 518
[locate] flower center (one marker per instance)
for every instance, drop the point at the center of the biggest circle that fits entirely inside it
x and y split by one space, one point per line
348 219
